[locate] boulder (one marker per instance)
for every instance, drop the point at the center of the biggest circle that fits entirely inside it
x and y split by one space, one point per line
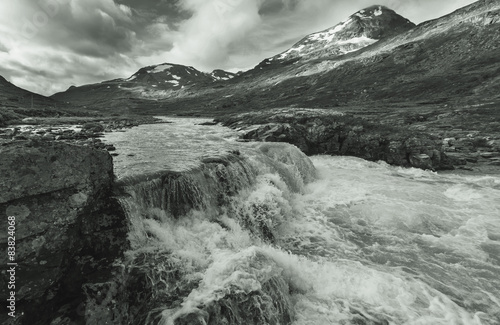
68 228
92 127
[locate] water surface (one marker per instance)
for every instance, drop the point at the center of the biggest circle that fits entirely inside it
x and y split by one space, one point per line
361 243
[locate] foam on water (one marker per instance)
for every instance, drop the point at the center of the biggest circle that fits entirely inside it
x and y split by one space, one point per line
353 242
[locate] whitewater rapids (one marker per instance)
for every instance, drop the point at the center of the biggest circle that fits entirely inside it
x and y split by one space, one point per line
261 234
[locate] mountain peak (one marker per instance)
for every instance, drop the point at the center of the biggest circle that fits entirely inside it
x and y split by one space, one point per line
373 11
361 29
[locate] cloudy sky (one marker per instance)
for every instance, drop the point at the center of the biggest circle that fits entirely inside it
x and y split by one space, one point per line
48 45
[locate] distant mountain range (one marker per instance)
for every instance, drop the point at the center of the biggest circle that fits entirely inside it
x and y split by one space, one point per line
373 57
150 83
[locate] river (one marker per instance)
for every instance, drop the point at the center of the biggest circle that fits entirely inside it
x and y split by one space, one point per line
258 233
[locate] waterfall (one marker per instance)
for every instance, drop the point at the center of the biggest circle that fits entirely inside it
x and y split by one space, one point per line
241 198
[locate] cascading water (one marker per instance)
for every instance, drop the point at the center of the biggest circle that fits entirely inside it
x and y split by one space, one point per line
224 232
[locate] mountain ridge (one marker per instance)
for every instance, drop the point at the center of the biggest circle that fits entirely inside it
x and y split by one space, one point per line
151 82
361 29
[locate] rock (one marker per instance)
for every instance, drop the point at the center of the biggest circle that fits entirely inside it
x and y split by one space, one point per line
69 229
13 132
328 132
92 127
457 159
489 155
471 158
208 123
422 161
48 136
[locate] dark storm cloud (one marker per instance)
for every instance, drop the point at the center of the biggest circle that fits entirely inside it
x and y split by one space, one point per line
94 28
48 45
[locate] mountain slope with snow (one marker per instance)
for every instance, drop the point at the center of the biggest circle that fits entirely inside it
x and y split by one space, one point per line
361 29
450 60
149 83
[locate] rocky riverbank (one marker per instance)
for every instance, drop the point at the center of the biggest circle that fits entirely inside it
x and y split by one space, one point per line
318 131
69 230
84 132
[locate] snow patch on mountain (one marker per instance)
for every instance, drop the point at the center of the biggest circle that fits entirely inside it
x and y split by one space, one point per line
218 75
297 49
161 68
357 43
329 35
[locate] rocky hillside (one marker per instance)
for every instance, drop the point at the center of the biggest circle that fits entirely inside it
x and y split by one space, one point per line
150 83
13 96
17 104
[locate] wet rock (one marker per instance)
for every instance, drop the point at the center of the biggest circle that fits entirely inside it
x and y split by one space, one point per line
69 229
422 161
326 132
209 123
457 159
92 127
489 155
268 303
12 132
48 136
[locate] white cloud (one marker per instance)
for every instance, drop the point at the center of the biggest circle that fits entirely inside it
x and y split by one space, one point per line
207 36
126 10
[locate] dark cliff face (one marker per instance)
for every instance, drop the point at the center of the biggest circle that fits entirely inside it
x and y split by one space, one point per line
69 229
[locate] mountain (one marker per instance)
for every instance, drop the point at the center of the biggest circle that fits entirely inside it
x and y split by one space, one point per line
452 60
13 96
361 29
149 83
17 103
374 58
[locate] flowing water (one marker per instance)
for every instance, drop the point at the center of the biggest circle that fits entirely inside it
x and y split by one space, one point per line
224 232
